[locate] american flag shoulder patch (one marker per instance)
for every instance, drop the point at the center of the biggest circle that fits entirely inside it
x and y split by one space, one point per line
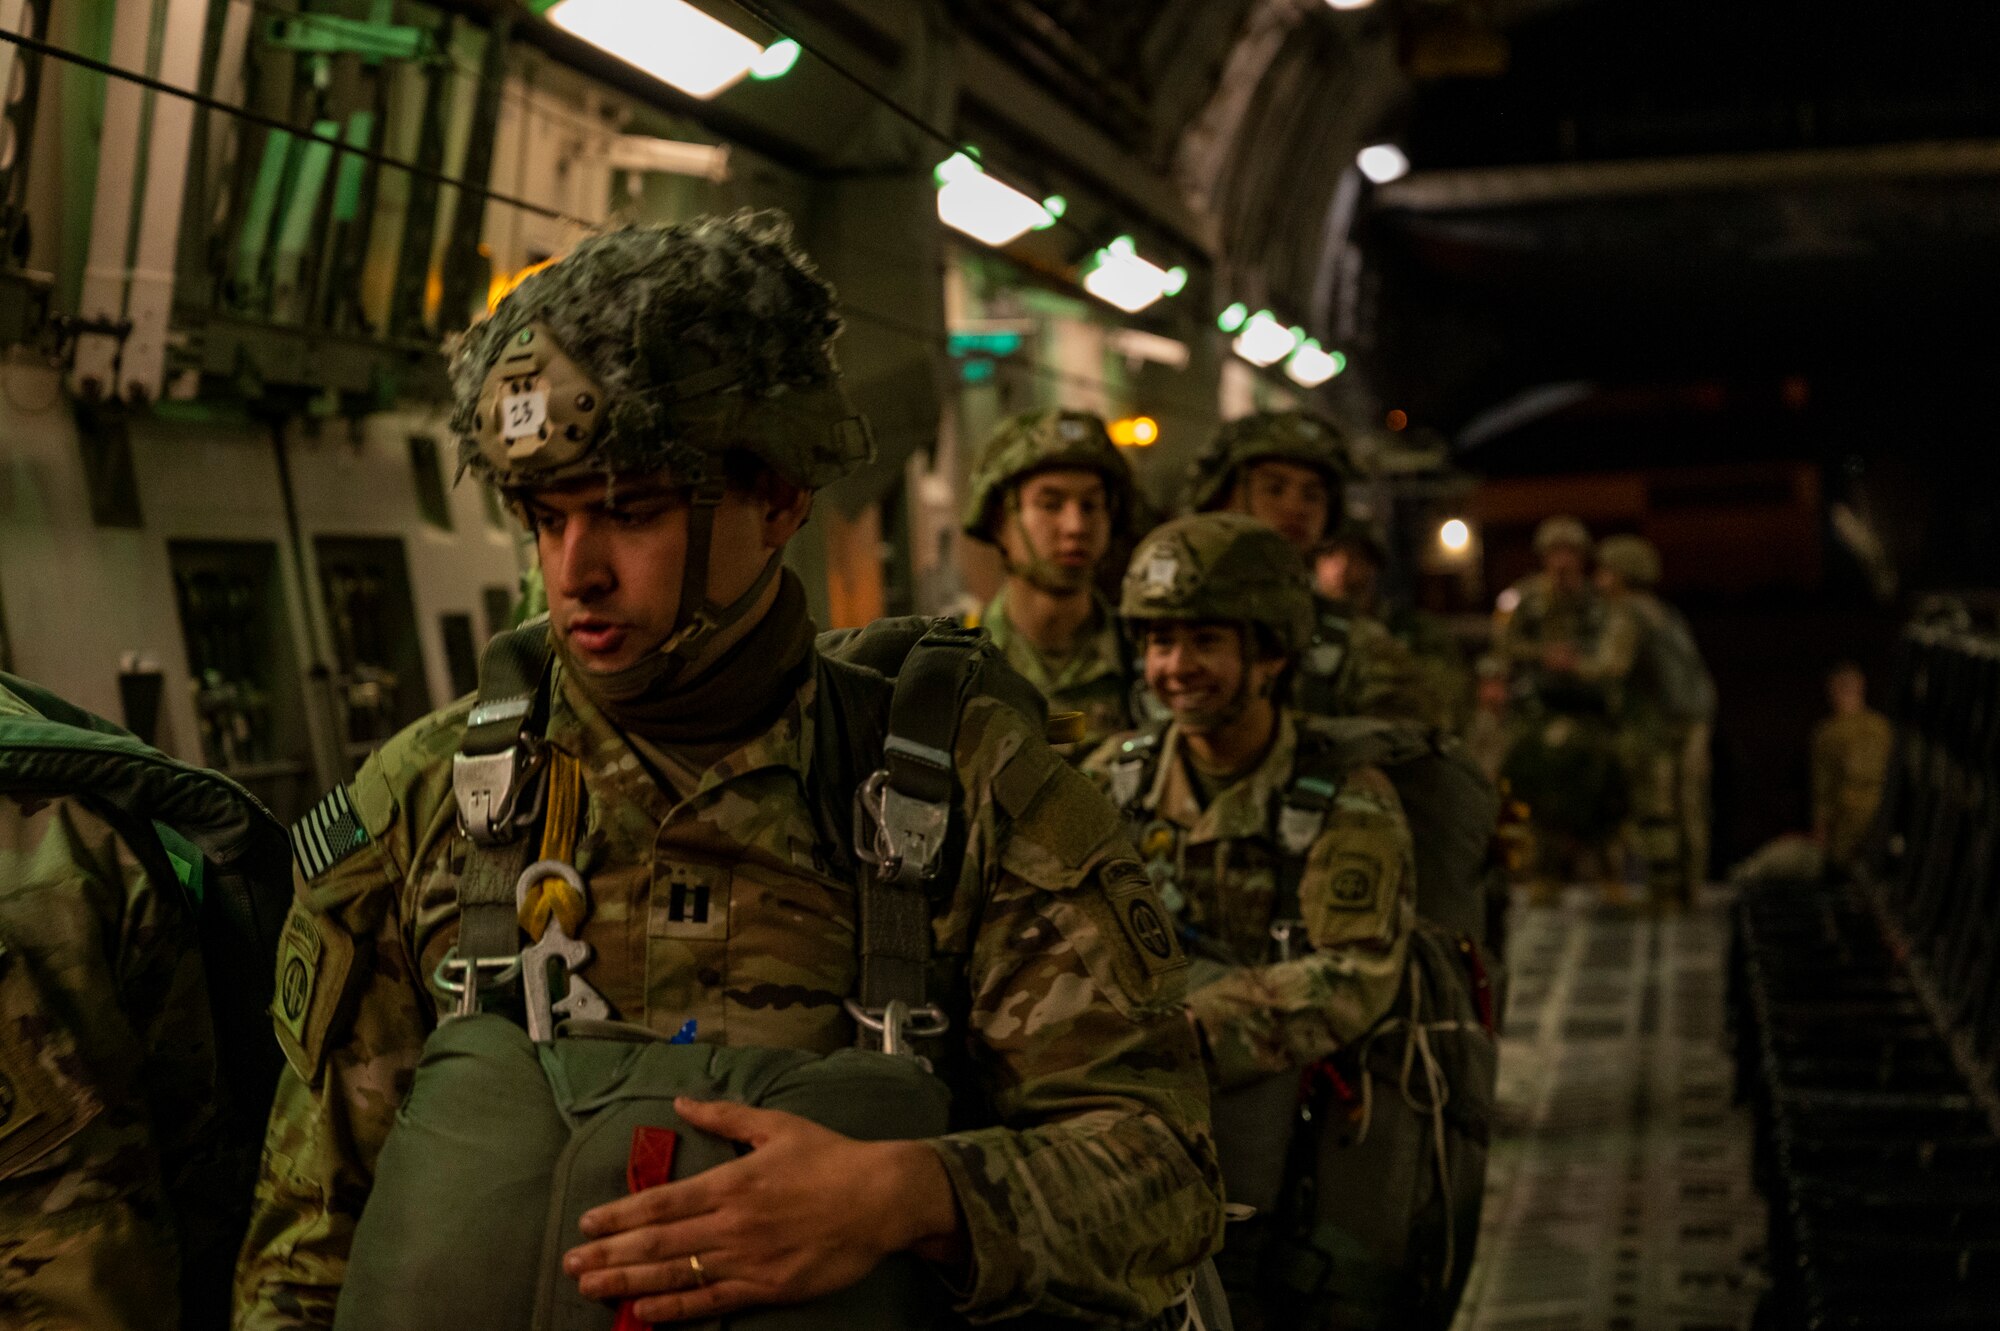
327 835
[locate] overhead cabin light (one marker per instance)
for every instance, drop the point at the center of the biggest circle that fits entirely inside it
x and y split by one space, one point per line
669 39
1264 341
776 60
1350 4
1120 277
647 155
1310 367
975 203
1454 535
1138 344
1382 162
1233 318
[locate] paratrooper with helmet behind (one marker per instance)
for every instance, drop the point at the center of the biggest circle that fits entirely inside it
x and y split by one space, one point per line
681 878
1555 633
1051 492
1348 567
1289 470
1665 706
1286 864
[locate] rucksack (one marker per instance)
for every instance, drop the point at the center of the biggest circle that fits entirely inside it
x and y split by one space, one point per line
231 861
1673 667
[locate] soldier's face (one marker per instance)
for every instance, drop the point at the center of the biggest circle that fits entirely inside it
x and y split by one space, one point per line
1060 529
1287 496
612 563
1202 673
1565 566
1345 576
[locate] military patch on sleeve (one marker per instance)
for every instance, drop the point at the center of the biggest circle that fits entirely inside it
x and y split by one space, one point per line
1144 920
327 835
1353 883
298 973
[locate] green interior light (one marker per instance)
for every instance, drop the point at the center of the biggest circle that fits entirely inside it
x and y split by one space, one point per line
1124 245
1339 361
1055 205
777 60
1233 318
1176 280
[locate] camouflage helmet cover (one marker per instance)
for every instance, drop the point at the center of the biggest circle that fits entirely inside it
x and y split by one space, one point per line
1562 530
1268 436
1633 558
1356 536
1220 566
1040 441
660 348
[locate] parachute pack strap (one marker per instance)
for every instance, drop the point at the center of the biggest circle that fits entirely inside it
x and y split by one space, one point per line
498 781
911 799
1309 796
1133 771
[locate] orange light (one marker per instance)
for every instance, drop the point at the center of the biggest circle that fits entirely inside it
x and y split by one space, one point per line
503 284
1134 432
1397 420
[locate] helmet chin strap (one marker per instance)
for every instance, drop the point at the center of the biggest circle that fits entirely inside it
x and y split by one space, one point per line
699 619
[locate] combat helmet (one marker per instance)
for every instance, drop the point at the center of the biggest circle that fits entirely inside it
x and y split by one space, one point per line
1045 441
1633 558
1562 530
1220 566
663 349
1268 436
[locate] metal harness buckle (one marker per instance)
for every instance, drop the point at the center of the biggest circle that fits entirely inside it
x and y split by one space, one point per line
1286 933
898 1023
489 789
500 971
902 837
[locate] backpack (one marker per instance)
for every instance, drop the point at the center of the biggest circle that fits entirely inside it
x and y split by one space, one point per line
1675 670
539 1132
231 860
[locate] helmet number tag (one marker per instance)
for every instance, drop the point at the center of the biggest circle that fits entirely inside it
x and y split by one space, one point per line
524 414
1161 570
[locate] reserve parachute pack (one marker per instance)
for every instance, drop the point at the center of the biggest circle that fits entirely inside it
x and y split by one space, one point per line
1673 666
232 863
514 1133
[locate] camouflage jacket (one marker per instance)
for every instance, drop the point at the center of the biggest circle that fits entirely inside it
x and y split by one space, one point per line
1355 667
1097 681
1093 1196
1606 637
111 1146
1228 879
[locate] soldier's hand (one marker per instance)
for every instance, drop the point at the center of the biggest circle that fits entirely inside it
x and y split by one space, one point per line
805 1213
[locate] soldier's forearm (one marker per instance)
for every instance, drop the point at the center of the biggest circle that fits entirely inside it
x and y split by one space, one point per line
1139 1212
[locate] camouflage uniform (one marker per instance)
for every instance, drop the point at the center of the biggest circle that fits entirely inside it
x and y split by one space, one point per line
1562 755
1084 1170
1097 679
111 1141
1220 868
1850 761
1443 678
1352 666
1301 928
1652 745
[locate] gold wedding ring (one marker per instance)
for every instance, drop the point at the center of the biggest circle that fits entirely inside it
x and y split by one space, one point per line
700 1276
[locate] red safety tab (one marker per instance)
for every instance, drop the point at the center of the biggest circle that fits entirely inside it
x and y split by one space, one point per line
650 1164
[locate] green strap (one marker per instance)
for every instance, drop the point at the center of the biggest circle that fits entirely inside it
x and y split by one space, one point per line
511 711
